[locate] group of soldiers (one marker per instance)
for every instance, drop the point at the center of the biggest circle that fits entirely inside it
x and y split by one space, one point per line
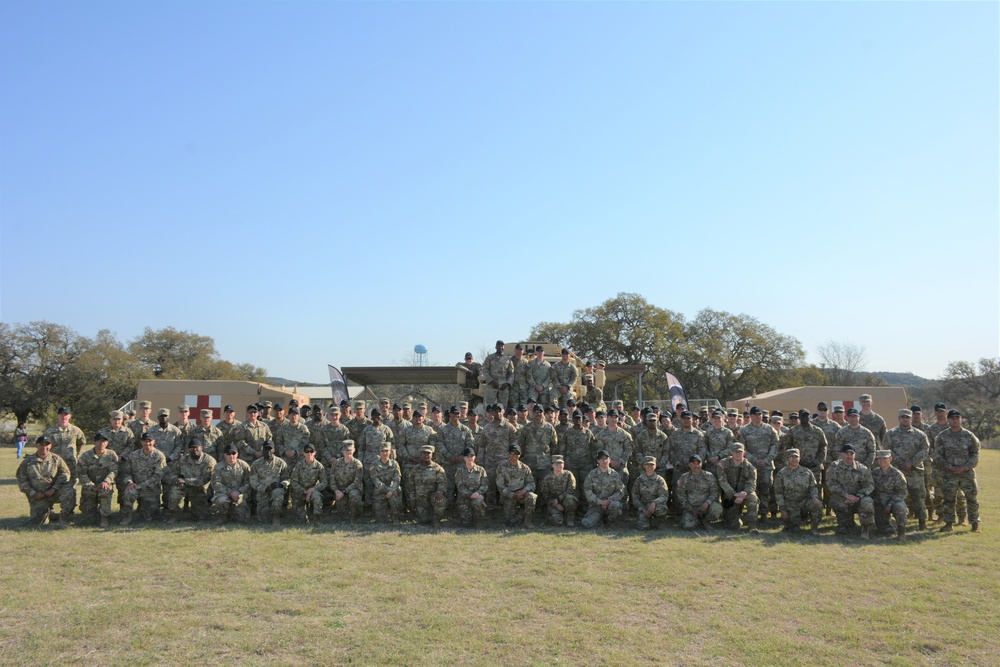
566 462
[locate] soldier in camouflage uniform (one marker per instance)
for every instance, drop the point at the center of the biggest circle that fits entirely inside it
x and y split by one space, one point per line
651 441
409 447
430 487
650 496
939 426
291 438
618 442
143 473
194 474
168 440
604 492
498 372
210 436
956 452
684 442
269 479
698 492
142 422
909 449
228 424
471 485
920 425
250 436
559 494
515 486
737 479
889 496
307 481
539 377
522 381
386 493
451 440
357 426
797 492
811 442
230 487
579 449
332 438
858 437
761 442
396 424
316 426
830 429
183 424
870 419
538 441
851 486
493 446
97 468
44 478
718 442
564 376
345 484
67 442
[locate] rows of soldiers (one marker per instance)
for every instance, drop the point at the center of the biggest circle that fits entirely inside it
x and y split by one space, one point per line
567 463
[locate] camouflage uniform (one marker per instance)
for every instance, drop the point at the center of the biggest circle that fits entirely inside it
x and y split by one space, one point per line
426 482
651 444
511 478
598 486
348 478
498 368
650 489
167 439
735 478
889 497
937 475
407 449
332 441
564 374
594 396
294 438
385 478
249 440
681 446
538 442
562 489
761 447
693 491
35 475
225 479
718 443
618 444
210 438
397 427
357 427
855 480
197 476
468 482
579 448
522 380
228 431
450 442
66 443
539 374
874 423
797 492
492 448
93 471
830 429
811 442
146 471
861 439
958 450
269 481
120 441
305 476
909 449
139 428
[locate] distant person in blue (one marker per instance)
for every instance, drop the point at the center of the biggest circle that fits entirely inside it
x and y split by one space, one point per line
20 437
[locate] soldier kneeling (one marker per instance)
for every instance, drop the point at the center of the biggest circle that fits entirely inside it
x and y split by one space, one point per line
650 496
559 491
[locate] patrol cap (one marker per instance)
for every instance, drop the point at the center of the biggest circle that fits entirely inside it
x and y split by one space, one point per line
905 413
865 397
463 404
603 454
954 413
345 403
418 413
231 449
822 406
738 447
618 404
585 406
775 419
117 414
252 408
549 408
468 355
267 404
804 412
509 412
839 408
755 410
294 403
521 407
142 404
427 448
779 413
792 451
577 414
147 436
360 405
648 460
587 376
916 408
397 406
600 413
695 457
940 406
100 436
183 408
518 347
614 413
194 442
229 408
562 411
42 440
846 448
558 458
883 454
334 411
348 445
267 444
686 413
732 411
500 342
468 451
386 446
537 408
308 448
206 413
164 412
702 409
679 405
453 410
65 411
570 402
436 408
514 448
278 406
293 411
852 411
496 408
651 416
407 406
588 363
717 413
600 362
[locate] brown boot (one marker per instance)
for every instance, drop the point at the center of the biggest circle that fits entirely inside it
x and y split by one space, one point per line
975 526
570 521
900 532
529 521
946 528
866 533
127 520
922 525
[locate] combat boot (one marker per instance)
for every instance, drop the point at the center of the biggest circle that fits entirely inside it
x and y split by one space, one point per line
275 521
104 522
570 521
900 531
706 524
975 526
922 525
866 533
946 528
63 521
127 520
529 521
961 520
815 528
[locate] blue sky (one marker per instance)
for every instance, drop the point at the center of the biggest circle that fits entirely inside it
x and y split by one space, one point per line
322 182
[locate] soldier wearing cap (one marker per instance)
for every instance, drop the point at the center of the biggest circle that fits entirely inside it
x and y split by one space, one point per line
429 486
142 422
870 419
44 478
811 442
538 441
919 424
249 437
493 447
183 423
698 495
564 377
307 481
396 424
209 435
449 443
269 479
939 426
858 437
471 486
889 496
230 487
604 492
650 495
345 484
410 446
593 394
685 442
279 420
516 485
761 442
122 442
194 474
651 441
797 492
733 421
540 377
142 475
385 479
521 377
372 438
265 411
559 492
168 440
618 443
291 438
98 468
498 372
851 486
229 424
472 370
956 453
578 447
909 449
357 425
718 441
67 442
332 437
737 480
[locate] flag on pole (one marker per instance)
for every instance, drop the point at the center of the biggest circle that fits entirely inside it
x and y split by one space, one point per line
676 391
338 384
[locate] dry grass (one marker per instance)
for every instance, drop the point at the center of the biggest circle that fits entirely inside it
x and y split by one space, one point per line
201 595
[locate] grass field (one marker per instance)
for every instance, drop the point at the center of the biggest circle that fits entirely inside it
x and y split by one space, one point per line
201 595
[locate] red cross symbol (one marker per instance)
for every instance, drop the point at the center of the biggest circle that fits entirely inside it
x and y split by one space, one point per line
203 404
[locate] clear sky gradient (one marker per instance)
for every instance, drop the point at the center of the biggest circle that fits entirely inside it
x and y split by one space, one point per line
322 182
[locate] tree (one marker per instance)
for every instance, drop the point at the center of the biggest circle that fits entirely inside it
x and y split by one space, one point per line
35 359
842 362
975 388
184 355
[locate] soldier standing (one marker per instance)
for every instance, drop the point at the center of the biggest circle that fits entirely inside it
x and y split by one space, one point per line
909 448
956 453
539 377
498 371
67 442
429 488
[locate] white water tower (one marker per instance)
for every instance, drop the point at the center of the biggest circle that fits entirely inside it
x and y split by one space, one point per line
419 355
